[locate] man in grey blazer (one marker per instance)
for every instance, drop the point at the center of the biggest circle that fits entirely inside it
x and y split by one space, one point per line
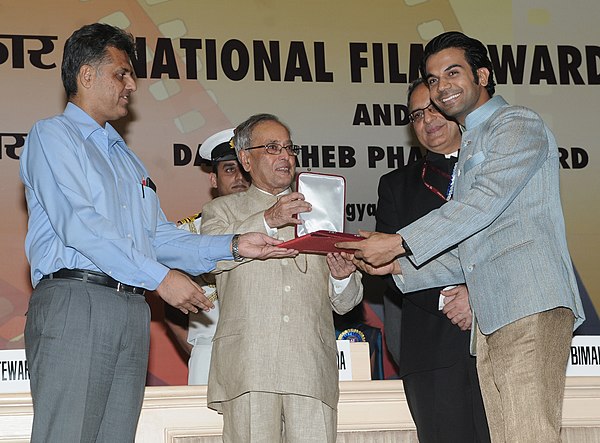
503 234
273 371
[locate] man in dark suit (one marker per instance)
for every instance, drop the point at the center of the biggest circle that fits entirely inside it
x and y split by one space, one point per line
427 332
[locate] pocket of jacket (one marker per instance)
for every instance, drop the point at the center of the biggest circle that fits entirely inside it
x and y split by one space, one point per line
510 249
229 328
327 335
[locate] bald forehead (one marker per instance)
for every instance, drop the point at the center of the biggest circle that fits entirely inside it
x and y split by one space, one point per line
419 98
268 127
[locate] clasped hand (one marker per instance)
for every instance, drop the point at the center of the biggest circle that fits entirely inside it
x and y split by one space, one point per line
457 307
376 254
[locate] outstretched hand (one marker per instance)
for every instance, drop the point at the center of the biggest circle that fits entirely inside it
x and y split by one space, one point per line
261 246
339 266
389 268
377 249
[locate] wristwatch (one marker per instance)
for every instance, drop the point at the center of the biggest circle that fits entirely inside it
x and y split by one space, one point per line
235 242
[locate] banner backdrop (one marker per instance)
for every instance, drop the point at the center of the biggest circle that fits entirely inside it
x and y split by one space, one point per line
335 71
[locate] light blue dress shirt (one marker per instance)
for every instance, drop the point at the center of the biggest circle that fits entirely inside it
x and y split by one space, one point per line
89 209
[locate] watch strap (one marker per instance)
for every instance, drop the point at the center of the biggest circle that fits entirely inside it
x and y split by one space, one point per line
235 245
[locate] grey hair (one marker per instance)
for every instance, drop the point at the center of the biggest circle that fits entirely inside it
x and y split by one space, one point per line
243 132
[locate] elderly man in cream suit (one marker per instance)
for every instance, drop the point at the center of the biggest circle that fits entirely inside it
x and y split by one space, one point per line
506 218
273 371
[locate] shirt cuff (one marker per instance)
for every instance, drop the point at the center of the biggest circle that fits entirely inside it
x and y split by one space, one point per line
271 232
398 279
155 273
339 285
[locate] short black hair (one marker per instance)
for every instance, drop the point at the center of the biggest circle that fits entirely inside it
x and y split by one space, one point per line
476 54
88 46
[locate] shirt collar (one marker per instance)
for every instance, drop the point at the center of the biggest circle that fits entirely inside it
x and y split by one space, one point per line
87 125
284 192
434 156
484 112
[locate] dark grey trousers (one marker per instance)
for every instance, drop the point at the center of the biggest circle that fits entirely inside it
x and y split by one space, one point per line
87 349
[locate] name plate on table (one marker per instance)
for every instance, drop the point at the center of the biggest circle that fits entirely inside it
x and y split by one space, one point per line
584 356
353 364
14 371
353 360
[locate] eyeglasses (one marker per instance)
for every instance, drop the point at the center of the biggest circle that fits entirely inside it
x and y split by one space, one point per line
418 114
275 148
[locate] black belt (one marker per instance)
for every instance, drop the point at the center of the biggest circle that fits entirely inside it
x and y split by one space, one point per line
95 278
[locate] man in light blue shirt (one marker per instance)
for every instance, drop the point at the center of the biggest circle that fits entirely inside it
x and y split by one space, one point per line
96 240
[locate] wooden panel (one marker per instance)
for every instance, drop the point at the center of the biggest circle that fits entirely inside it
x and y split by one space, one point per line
369 411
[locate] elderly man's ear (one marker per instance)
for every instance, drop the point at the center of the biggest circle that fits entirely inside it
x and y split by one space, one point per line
244 160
